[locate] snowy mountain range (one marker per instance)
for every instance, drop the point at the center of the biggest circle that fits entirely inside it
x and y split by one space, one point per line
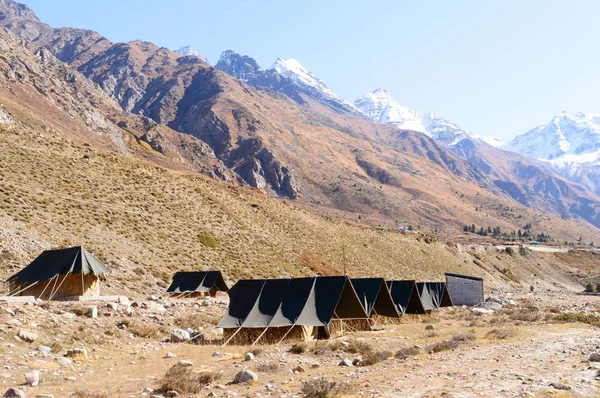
568 145
380 107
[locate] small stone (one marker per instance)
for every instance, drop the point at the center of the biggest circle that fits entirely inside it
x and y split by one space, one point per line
357 361
64 361
170 355
44 349
594 357
27 335
44 396
179 336
430 327
14 393
245 376
217 354
92 312
71 378
249 356
315 365
185 362
298 369
346 362
559 386
33 378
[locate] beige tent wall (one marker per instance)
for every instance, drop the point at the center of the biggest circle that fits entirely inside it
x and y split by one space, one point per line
73 285
247 336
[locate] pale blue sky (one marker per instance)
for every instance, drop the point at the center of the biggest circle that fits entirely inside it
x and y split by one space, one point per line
494 67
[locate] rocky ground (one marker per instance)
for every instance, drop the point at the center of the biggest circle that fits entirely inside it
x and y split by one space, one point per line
542 344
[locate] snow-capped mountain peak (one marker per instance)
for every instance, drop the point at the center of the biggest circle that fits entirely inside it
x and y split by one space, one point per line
189 51
292 69
564 137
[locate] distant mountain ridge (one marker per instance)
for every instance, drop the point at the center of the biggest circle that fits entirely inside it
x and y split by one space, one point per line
568 144
282 131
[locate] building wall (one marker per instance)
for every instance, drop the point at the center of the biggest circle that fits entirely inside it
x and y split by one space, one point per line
464 291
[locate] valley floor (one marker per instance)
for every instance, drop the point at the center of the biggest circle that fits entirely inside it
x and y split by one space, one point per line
538 346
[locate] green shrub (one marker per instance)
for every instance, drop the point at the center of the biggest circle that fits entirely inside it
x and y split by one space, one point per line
208 240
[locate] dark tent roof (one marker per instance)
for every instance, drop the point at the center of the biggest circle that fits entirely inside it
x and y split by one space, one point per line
198 281
464 289
242 297
267 304
375 296
406 297
310 301
60 262
434 295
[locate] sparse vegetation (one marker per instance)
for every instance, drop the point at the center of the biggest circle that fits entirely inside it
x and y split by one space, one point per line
299 348
323 388
358 347
185 380
406 352
372 357
268 367
589 319
88 394
440 346
501 333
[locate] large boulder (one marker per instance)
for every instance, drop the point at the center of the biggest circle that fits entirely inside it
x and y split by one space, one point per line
245 376
180 335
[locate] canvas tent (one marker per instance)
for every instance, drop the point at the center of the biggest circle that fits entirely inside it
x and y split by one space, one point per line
375 297
197 284
434 295
464 289
406 297
59 273
271 310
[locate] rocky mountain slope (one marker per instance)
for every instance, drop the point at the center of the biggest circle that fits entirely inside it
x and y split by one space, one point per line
305 150
568 144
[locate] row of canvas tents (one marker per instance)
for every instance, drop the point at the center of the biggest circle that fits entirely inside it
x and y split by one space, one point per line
271 310
267 310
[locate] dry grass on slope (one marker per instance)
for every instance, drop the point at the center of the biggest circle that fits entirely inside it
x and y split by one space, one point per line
147 222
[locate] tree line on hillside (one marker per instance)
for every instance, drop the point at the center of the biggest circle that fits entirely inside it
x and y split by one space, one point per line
497 233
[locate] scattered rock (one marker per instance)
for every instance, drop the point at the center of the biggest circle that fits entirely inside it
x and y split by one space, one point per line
430 327
249 356
315 365
217 354
64 361
594 357
92 312
14 393
33 378
44 396
27 335
185 362
346 362
298 369
357 361
170 355
245 376
179 336
560 386
44 349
